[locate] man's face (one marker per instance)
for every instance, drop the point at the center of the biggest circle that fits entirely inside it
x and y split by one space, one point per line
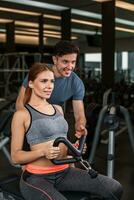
65 64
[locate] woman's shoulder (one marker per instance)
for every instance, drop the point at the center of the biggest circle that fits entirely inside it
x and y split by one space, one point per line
21 113
59 108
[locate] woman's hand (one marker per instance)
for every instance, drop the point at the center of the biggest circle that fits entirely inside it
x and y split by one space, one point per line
51 152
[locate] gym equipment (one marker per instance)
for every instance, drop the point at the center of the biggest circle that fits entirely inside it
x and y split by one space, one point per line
108 114
8 102
5 124
77 155
106 96
13 69
9 188
92 113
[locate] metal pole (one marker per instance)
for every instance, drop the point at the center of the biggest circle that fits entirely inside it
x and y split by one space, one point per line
110 158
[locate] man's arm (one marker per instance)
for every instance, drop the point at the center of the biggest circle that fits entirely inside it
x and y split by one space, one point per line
80 119
19 102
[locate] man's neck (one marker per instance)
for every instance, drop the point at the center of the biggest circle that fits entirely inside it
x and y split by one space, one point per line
56 73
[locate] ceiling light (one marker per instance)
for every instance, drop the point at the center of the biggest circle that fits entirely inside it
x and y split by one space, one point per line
86 22
19 11
74 37
30 13
52 16
2 37
52 32
52 35
28 29
33 40
73 11
124 29
85 32
86 13
125 5
124 21
58 36
24 23
35 31
20 23
24 39
120 4
2 30
36 25
52 27
54 7
3 21
38 4
25 32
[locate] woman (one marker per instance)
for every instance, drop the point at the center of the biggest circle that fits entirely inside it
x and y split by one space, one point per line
41 123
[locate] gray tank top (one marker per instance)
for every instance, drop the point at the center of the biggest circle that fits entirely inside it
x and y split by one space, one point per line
45 127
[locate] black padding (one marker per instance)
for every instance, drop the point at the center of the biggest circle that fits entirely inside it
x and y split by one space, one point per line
4 105
10 188
77 195
5 122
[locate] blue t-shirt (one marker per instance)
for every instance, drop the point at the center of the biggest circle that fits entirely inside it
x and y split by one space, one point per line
65 88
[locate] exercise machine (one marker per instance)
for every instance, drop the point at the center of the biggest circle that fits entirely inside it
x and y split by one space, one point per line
109 116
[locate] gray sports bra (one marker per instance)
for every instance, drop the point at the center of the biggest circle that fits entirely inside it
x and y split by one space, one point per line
45 127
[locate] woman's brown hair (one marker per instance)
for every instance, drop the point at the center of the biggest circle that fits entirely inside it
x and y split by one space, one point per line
36 69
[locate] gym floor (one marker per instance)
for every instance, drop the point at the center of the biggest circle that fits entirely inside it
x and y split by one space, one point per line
124 162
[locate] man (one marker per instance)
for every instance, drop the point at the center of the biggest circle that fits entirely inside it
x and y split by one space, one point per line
67 83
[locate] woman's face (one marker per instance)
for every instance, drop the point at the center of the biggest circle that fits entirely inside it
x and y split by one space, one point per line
43 85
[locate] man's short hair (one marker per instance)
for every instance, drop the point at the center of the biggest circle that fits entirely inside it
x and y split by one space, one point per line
65 47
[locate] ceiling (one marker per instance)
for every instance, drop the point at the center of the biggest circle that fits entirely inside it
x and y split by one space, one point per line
85 19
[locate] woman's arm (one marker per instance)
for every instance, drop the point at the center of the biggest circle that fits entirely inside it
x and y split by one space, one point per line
18 133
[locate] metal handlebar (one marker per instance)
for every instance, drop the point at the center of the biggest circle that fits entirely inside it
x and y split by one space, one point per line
77 153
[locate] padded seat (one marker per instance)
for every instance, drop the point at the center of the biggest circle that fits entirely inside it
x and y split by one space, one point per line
10 188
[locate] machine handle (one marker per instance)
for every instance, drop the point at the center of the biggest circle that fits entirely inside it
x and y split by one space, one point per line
77 153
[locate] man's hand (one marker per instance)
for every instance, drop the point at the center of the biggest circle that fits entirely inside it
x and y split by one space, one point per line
80 130
76 145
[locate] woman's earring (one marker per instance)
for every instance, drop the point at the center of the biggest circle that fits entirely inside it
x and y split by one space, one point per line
30 85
